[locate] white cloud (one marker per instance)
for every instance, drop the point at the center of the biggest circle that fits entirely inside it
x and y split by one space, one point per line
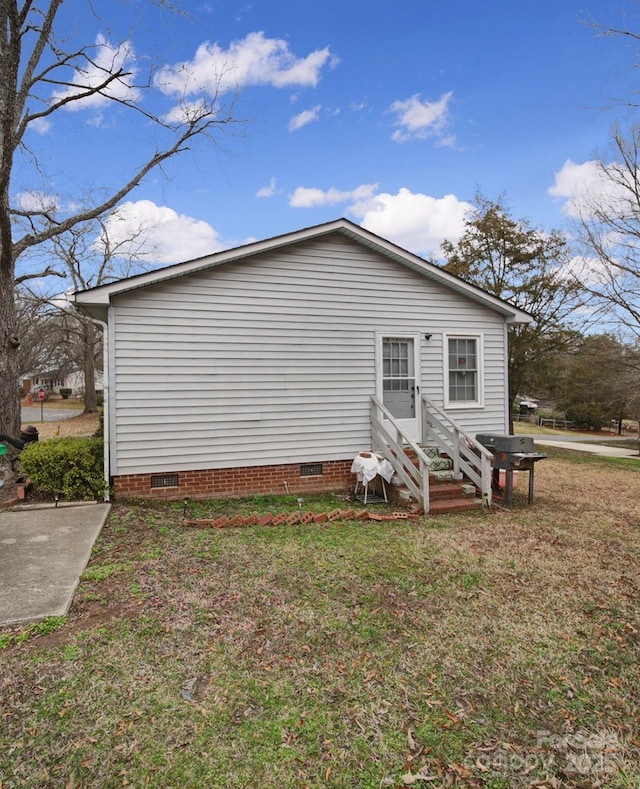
574 182
584 185
417 222
268 191
303 118
253 60
420 120
590 271
592 191
158 234
572 178
40 125
38 201
305 197
107 59
188 111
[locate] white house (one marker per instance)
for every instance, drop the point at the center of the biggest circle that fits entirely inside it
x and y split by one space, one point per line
54 381
268 367
74 380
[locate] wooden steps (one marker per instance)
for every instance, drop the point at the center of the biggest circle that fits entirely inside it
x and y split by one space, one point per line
453 499
449 497
446 495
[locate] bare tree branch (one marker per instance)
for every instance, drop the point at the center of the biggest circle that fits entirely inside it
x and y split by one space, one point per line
48 272
195 127
608 229
41 77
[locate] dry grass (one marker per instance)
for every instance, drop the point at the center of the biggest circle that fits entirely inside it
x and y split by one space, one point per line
75 426
490 651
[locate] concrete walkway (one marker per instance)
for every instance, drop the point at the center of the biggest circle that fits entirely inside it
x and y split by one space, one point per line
594 449
43 552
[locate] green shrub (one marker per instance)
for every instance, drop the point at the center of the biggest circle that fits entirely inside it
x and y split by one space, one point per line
587 416
70 467
65 393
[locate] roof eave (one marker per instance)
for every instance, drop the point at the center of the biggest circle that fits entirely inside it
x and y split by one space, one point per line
100 297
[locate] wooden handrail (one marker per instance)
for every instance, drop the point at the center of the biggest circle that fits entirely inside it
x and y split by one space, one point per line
469 456
392 444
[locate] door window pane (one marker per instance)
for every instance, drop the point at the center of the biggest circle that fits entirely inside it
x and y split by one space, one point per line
398 381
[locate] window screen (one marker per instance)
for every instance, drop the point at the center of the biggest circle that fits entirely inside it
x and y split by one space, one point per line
463 370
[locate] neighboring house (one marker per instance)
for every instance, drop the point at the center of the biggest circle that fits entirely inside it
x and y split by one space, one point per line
253 370
75 381
54 381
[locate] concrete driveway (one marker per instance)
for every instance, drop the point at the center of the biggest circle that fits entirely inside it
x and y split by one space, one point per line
584 446
33 413
43 552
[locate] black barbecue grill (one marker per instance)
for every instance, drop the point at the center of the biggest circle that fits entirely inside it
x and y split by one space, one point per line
511 453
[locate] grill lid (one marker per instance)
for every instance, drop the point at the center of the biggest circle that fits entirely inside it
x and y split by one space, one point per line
501 443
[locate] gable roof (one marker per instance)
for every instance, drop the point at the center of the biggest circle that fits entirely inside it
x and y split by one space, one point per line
96 300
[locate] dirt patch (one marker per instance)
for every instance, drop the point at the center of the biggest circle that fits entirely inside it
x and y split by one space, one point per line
92 616
75 426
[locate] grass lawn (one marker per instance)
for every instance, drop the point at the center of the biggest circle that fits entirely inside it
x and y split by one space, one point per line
483 650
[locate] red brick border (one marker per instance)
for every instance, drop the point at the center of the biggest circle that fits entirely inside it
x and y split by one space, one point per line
294 518
238 482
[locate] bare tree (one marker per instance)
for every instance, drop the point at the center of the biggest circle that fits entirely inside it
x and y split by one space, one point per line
606 214
89 256
40 75
46 336
608 227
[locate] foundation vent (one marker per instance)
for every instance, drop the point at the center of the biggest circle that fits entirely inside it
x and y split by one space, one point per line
164 480
311 470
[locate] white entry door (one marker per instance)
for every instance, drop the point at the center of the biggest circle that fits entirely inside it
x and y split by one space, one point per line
398 381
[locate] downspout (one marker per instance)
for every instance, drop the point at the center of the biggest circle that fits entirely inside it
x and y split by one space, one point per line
507 404
105 406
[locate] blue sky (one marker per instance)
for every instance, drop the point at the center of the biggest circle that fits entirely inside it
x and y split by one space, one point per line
390 114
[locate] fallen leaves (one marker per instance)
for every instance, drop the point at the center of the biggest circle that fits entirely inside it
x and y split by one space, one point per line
408 779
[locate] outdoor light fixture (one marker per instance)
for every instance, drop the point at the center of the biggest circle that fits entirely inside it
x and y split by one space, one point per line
428 336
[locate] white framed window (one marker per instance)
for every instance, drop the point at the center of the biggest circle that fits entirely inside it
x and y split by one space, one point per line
464 378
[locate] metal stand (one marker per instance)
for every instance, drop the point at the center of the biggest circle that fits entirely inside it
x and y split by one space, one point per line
374 498
521 464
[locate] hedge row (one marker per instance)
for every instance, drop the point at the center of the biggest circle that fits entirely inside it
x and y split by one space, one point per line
71 467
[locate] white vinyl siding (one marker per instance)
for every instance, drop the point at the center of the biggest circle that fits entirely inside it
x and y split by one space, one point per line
272 359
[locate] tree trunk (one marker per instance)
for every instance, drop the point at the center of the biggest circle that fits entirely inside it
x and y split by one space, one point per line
90 399
512 397
9 343
9 340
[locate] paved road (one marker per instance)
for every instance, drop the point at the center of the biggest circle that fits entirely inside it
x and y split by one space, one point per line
32 415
